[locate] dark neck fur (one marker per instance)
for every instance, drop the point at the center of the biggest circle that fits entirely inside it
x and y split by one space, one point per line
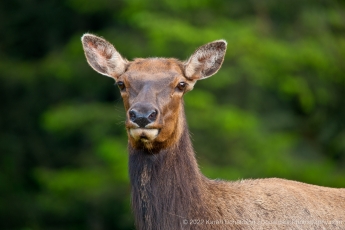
165 185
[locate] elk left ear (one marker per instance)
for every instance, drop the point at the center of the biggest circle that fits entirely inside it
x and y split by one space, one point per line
206 60
102 56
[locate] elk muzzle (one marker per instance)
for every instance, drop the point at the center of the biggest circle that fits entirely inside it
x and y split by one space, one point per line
142 118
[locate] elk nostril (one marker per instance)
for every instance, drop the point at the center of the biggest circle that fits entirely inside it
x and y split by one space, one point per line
153 116
132 115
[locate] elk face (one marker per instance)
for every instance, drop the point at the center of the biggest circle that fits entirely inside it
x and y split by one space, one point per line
152 91
152 88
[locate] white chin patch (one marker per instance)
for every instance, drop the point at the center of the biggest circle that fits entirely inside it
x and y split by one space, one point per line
145 135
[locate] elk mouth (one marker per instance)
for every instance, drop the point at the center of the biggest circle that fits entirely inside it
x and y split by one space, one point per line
143 135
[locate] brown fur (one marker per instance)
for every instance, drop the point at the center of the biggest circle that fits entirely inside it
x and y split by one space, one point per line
168 189
144 79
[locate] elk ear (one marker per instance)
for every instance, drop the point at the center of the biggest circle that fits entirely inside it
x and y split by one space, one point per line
102 56
206 60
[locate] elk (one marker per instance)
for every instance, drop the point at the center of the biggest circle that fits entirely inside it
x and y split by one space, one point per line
168 191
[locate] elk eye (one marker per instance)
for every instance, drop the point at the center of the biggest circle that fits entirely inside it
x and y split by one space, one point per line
181 85
121 85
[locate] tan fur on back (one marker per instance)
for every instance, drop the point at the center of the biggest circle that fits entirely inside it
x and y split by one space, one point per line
278 204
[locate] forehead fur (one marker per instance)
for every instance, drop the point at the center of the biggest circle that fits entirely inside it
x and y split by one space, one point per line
156 65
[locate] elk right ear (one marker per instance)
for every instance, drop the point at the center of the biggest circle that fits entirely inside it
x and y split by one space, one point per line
102 56
206 60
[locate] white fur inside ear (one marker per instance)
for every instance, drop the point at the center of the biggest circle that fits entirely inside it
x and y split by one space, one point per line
206 60
102 56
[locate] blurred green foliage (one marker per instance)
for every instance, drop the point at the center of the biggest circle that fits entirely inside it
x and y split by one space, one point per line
275 109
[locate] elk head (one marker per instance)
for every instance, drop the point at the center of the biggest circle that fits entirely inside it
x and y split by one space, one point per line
152 88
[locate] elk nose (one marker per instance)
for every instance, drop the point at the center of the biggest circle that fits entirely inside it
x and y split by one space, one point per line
143 118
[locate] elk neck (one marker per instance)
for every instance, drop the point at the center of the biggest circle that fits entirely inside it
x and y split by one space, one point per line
165 185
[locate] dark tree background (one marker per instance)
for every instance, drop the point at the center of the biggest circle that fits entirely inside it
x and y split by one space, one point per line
275 109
